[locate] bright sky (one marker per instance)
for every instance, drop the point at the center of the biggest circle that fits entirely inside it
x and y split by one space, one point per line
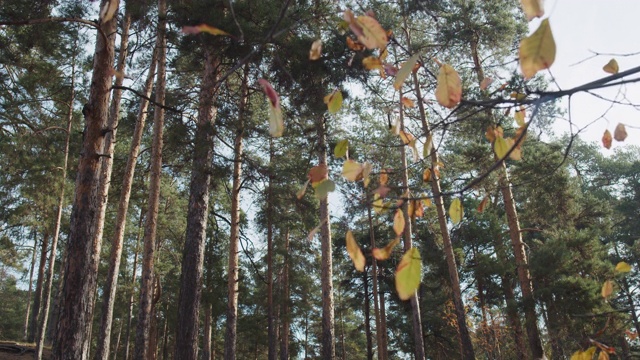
608 27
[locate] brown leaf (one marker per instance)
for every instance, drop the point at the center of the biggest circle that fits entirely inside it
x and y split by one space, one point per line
620 133
607 139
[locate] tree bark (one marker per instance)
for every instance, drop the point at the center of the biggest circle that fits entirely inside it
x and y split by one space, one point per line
271 328
232 280
28 312
374 276
284 313
206 346
133 289
80 281
193 255
37 298
367 316
383 324
146 288
104 335
117 346
326 278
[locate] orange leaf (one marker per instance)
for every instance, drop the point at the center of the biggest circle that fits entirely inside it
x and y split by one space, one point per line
607 139
384 177
354 45
407 102
354 252
426 175
398 222
318 173
316 50
204 28
483 204
385 252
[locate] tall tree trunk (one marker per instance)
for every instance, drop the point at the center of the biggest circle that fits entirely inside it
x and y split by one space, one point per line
28 312
407 234
367 316
165 334
513 316
232 280
284 313
133 289
271 328
152 352
104 335
146 287
383 324
37 298
193 255
374 276
465 339
117 346
326 278
206 341
42 326
80 281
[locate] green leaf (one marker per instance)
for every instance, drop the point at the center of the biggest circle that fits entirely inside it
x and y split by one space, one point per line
324 188
409 274
341 148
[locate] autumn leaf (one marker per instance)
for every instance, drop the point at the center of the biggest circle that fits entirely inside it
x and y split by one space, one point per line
384 177
334 101
276 125
192 30
407 102
408 274
483 204
318 173
351 170
456 212
426 175
520 115
631 334
449 88
607 139
354 45
300 193
379 206
538 51
611 67
500 147
404 71
623 267
603 355
620 133
516 153
532 8
324 188
398 222
428 145
385 252
316 50
354 252
607 289
366 171
484 84
341 149
373 35
584 355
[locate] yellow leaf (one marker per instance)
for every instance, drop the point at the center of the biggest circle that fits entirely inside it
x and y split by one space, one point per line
483 204
428 145
584 355
366 171
538 51
501 147
354 252
301 192
520 115
623 267
373 35
404 71
449 88
398 222
620 133
516 153
385 252
334 101
426 175
607 289
316 50
341 149
611 67
427 202
409 274
352 170
407 102
532 8
603 355
406 137
378 205
606 139
456 212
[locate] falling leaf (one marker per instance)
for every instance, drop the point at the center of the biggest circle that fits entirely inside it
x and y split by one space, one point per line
276 125
341 149
620 133
352 170
456 212
606 139
192 30
485 83
483 204
366 171
398 222
409 274
354 252
374 63
631 334
334 101
408 102
315 230
538 51
603 355
493 132
500 147
426 175
379 206
316 50
373 35
532 8
324 188
300 193
389 69
404 71
623 267
516 152
449 88
318 173
584 355
428 145
384 177
385 252
109 10
520 115
607 289
611 67
427 202
354 45
406 137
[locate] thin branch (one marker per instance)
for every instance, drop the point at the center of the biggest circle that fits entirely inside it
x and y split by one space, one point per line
56 19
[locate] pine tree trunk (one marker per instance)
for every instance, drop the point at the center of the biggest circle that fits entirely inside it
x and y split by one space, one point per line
80 281
513 316
465 339
117 346
328 338
134 269
206 346
109 291
374 276
271 328
165 335
407 234
28 312
284 313
383 325
37 298
146 288
232 281
42 326
367 317
193 255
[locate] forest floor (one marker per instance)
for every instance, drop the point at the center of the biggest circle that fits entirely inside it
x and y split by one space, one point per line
17 351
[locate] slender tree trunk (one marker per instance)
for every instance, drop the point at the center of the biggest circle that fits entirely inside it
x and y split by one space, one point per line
80 281
273 352
284 313
33 265
326 278
206 346
193 255
465 339
383 324
407 234
117 347
55 312
514 317
165 335
152 352
367 316
374 276
232 281
104 335
146 288
37 298
134 270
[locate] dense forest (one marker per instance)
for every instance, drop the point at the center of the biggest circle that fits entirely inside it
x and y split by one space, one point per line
309 179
